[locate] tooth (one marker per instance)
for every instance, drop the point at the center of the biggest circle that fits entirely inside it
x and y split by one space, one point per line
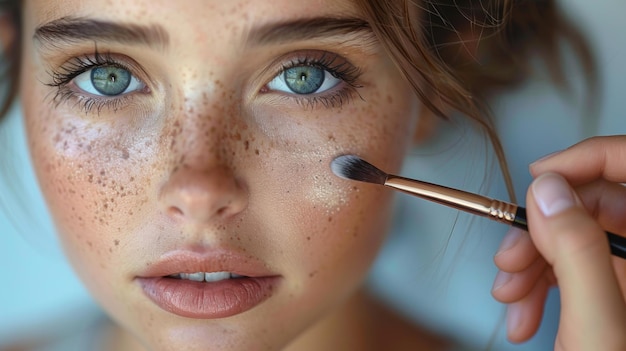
184 276
198 277
216 276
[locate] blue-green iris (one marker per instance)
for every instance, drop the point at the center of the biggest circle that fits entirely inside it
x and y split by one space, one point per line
110 80
304 79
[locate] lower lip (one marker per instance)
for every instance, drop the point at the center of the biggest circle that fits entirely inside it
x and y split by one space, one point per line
205 300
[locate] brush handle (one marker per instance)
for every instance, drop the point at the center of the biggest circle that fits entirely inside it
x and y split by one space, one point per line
616 242
479 205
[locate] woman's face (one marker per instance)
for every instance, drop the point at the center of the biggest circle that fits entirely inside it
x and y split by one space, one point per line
177 138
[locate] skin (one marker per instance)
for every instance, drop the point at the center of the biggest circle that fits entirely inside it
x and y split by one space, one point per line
567 247
206 157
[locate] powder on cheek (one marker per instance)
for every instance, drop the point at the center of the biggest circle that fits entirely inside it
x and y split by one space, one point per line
327 192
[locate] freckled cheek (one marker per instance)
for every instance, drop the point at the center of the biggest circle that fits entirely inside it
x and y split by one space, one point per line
359 217
337 247
91 183
317 217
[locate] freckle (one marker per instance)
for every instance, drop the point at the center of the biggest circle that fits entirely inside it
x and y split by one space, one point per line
116 242
246 145
90 243
308 238
256 151
389 99
330 219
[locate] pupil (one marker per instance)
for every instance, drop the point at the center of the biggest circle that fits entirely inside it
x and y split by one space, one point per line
110 80
304 79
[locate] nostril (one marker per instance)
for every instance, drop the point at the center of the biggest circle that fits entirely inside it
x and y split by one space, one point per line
174 211
222 210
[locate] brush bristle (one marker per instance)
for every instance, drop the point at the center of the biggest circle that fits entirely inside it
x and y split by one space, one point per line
354 168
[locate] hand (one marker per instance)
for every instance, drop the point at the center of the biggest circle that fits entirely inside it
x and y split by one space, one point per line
575 197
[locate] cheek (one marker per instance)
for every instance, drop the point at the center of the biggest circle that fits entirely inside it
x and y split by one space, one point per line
331 227
89 177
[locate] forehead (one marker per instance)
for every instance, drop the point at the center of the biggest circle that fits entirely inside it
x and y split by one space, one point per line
193 15
215 25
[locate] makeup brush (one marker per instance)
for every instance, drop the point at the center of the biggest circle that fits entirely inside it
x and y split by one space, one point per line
354 168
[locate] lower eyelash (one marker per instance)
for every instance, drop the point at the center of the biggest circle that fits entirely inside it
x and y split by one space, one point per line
87 104
332 100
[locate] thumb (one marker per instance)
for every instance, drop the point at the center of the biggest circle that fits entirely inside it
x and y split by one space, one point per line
577 248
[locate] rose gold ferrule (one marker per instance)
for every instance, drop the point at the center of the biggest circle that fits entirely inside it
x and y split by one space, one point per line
462 200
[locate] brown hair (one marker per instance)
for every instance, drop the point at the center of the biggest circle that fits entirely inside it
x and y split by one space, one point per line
456 53
461 52
9 69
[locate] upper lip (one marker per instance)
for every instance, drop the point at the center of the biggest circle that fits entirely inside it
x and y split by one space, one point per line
189 261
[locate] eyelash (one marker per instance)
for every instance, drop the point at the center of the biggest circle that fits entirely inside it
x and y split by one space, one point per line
343 70
337 66
79 65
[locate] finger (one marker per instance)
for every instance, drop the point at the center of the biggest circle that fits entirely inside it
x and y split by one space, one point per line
524 317
511 287
606 202
517 251
598 157
577 248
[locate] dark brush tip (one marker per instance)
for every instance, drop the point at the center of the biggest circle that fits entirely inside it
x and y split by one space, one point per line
354 168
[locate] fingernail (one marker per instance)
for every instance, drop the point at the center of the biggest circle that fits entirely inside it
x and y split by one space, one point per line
501 279
552 194
510 239
545 157
513 317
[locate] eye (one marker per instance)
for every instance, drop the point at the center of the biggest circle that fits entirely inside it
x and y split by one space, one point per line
108 81
304 80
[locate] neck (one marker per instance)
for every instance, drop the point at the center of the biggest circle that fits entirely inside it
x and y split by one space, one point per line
363 323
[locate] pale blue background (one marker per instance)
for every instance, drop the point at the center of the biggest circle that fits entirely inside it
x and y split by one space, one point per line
433 268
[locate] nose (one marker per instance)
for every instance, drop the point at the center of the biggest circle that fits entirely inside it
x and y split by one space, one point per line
203 196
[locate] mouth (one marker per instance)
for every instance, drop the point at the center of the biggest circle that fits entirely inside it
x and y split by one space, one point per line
207 286
206 276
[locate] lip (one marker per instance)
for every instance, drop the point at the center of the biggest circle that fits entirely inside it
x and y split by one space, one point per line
204 300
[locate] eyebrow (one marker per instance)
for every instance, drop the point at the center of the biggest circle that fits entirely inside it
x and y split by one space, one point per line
308 29
72 30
